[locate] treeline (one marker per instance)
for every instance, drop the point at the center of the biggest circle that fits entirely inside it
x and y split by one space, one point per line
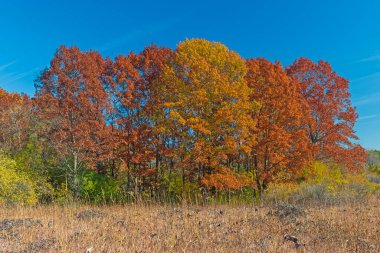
185 124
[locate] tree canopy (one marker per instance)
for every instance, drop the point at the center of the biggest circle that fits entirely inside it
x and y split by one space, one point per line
199 117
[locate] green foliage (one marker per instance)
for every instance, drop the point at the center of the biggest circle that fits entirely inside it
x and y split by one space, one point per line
33 160
15 186
62 194
100 189
179 191
174 185
244 195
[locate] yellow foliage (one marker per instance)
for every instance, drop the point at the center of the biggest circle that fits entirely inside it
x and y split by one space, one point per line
329 175
281 190
15 186
207 100
324 180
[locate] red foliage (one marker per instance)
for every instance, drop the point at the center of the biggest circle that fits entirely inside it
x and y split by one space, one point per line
331 117
71 97
16 120
130 79
201 109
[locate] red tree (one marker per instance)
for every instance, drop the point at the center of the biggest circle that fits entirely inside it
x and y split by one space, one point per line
16 120
70 94
331 117
130 79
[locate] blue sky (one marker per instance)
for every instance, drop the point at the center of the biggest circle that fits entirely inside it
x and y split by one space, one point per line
345 33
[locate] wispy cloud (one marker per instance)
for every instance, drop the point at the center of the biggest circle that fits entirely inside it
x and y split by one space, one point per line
371 58
2 67
4 77
373 75
374 122
13 77
374 98
367 117
134 35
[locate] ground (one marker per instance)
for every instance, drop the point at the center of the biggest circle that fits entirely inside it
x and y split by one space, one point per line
351 227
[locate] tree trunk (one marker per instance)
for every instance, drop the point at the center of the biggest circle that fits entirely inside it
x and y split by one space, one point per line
257 176
75 179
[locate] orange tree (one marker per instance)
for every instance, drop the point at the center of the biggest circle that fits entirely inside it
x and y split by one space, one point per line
17 121
280 141
205 106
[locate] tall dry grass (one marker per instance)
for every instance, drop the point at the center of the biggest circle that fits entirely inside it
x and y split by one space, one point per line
138 228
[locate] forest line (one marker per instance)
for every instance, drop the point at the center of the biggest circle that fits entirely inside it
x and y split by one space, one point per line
196 120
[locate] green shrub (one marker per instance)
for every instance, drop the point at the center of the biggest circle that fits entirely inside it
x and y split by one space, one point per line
32 161
318 192
279 192
100 189
15 186
62 194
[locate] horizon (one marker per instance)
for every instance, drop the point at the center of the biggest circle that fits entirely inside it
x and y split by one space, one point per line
342 34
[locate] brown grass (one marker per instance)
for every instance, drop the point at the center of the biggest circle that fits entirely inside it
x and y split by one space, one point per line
136 228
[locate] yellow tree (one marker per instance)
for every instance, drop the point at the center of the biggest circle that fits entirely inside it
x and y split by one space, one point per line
206 103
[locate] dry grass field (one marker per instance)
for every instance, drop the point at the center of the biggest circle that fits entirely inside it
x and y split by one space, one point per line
137 228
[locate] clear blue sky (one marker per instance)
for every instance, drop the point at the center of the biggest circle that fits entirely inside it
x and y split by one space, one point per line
345 33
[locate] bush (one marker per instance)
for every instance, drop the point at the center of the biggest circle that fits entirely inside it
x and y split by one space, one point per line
32 161
360 186
15 187
100 189
279 192
317 193
325 184
62 194
372 178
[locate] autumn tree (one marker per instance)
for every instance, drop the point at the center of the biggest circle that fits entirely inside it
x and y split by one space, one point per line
196 118
16 120
373 159
126 94
205 106
19 126
331 117
70 95
280 142
129 84
150 64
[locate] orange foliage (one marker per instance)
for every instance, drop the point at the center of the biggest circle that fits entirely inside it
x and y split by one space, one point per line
281 142
201 109
206 103
225 180
15 120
